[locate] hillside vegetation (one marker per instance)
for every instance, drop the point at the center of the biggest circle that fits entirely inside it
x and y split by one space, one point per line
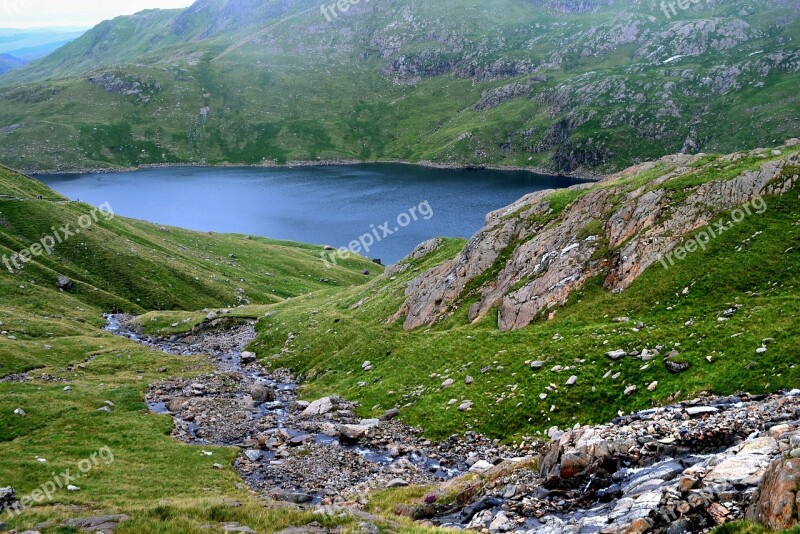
569 86
125 265
728 311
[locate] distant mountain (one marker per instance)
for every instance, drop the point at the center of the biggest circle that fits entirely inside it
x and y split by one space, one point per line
35 43
565 85
9 63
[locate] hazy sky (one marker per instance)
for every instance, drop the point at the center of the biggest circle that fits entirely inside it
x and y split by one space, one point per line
82 13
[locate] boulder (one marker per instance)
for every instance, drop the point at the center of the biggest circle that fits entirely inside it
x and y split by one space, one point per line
676 367
63 283
319 407
8 499
775 505
353 432
248 357
390 414
262 393
481 466
103 523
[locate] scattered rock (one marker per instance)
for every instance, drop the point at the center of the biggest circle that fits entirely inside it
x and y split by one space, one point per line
616 354
481 466
390 414
319 407
262 393
63 283
572 380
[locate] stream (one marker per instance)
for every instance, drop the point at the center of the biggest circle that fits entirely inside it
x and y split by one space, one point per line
299 458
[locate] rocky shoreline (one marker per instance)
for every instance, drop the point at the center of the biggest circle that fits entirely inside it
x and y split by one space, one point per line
589 176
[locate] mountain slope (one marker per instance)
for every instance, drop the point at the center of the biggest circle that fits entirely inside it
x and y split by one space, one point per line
69 389
9 63
567 86
720 318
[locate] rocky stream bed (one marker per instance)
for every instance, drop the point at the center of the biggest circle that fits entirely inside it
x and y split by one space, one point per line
682 468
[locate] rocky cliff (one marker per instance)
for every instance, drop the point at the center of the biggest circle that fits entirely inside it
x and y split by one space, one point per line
531 255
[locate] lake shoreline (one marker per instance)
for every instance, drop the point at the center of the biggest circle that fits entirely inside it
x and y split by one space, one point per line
588 177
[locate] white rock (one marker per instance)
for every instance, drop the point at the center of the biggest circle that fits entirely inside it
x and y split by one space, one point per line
572 380
481 466
73 488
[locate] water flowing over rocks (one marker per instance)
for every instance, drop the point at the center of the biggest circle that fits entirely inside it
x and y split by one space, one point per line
541 257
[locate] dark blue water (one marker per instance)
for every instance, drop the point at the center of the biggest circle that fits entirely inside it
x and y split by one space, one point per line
321 205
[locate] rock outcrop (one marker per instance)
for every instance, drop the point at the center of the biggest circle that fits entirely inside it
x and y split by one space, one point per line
530 257
778 500
8 499
688 467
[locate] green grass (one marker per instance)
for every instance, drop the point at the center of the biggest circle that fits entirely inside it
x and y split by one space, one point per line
174 278
293 88
125 265
739 267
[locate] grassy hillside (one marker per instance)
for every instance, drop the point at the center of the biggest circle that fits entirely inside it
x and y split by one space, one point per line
568 86
125 265
337 320
752 269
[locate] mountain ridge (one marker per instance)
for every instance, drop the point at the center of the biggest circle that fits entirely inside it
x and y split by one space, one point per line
565 86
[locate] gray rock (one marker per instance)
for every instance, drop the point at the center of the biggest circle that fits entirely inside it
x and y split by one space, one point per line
8 498
537 365
248 357
63 283
319 407
391 414
397 483
616 354
572 380
104 523
262 393
253 455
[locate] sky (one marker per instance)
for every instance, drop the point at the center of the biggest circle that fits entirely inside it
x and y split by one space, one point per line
73 13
